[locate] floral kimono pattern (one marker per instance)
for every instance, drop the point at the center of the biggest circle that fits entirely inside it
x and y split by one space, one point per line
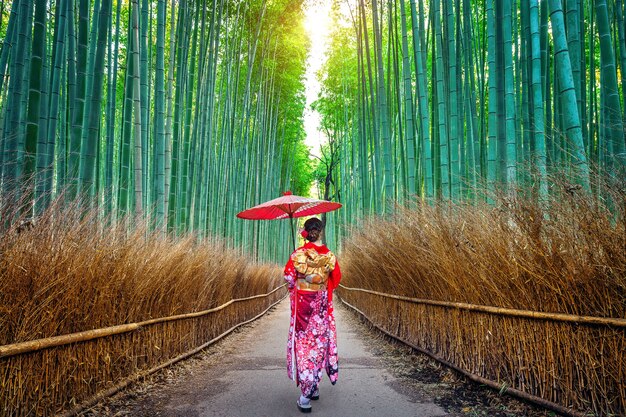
312 343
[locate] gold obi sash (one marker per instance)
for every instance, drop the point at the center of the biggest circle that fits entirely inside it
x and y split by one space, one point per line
303 285
309 263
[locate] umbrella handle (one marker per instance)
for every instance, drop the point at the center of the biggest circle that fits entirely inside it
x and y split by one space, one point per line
293 237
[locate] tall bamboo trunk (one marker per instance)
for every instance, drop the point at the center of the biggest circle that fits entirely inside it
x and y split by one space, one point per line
137 138
383 109
91 141
573 130
408 105
615 161
159 114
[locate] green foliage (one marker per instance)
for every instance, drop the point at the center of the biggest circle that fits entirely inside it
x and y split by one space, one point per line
304 172
231 97
493 104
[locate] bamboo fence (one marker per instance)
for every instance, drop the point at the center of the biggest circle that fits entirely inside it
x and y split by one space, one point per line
63 374
574 365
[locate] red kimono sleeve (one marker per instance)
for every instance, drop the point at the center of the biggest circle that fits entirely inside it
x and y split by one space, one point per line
333 280
289 274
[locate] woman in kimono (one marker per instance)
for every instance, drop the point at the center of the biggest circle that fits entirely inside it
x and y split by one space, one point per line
312 273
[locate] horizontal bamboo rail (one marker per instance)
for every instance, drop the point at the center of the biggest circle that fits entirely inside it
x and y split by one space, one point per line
560 317
49 342
120 386
476 378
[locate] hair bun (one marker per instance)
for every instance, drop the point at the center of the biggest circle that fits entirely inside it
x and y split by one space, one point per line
313 223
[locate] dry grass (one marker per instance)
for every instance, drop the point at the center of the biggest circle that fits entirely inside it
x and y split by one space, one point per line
572 259
67 273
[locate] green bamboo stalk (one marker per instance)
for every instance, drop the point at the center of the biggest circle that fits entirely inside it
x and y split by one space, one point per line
452 106
144 101
45 148
408 105
363 130
8 42
422 103
36 84
616 153
538 112
583 30
14 120
61 143
86 159
524 59
73 146
169 115
434 133
55 92
186 180
377 170
173 204
199 127
574 47
492 123
111 119
24 98
125 175
159 114
442 111
211 114
78 98
473 135
509 94
592 113
383 109
91 141
567 94
461 102
137 131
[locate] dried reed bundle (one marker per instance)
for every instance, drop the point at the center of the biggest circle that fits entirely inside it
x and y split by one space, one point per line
569 259
67 272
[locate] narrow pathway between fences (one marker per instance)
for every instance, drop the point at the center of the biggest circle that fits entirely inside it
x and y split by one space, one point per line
246 377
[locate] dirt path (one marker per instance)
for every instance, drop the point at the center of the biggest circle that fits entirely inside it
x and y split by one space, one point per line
245 376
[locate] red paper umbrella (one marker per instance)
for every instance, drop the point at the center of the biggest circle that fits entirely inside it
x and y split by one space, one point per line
287 207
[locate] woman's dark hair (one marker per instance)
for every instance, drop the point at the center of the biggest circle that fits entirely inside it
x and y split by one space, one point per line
313 227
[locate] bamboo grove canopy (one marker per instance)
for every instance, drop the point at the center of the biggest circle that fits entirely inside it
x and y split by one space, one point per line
457 100
164 109
184 110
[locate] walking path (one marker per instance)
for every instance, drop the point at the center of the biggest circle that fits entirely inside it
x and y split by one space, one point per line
247 377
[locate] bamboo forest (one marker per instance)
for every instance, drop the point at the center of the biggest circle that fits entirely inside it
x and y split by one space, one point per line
476 150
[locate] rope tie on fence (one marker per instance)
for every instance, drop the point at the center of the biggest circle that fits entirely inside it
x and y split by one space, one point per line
39 344
561 317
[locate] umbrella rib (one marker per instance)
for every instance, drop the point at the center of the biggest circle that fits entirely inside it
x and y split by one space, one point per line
304 207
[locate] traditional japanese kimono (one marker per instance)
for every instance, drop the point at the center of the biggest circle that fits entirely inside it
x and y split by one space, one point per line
312 344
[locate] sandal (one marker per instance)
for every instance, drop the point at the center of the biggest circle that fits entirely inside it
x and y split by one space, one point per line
305 408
